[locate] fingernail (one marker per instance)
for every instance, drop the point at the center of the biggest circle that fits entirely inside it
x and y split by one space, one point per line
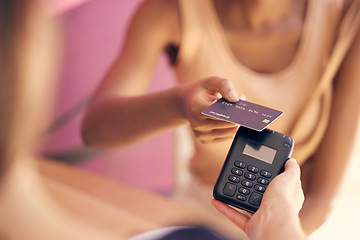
233 96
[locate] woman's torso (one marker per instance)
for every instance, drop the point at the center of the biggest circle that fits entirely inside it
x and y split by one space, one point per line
278 68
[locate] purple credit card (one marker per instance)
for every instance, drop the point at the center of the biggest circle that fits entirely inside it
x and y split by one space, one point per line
244 113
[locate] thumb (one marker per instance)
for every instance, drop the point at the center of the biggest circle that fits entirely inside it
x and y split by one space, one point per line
292 168
222 86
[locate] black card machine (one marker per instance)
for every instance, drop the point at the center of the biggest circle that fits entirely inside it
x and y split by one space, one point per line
254 159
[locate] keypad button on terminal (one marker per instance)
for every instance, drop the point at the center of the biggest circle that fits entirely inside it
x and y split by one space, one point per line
234 179
239 164
263 181
241 197
255 199
250 176
244 191
246 183
237 171
260 188
253 169
229 189
265 173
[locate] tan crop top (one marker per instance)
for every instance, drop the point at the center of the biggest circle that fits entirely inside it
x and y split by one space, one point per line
205 52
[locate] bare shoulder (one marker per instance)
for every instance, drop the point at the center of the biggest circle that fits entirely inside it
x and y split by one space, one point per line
156 10
158 18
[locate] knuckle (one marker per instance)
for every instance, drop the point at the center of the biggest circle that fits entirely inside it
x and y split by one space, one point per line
225 83
198 134
196 126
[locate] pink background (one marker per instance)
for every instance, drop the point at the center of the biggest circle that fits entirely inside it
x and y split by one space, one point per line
93 35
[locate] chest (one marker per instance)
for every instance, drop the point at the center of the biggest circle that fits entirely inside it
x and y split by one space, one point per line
212 43
265 43
264 52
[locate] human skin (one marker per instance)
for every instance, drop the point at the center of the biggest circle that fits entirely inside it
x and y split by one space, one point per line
278 215
115 115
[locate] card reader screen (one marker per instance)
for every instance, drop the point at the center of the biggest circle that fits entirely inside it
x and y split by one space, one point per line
259 151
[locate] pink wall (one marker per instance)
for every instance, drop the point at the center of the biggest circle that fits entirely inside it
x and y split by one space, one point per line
93 34
61 6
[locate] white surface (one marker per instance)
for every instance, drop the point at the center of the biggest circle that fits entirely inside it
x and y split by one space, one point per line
344 222
157 233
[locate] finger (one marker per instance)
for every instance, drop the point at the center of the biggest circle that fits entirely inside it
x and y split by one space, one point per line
215 133
207 123
216 140
234 216
222 86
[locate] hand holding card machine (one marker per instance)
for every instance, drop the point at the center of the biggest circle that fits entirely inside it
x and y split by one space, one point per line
254 159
